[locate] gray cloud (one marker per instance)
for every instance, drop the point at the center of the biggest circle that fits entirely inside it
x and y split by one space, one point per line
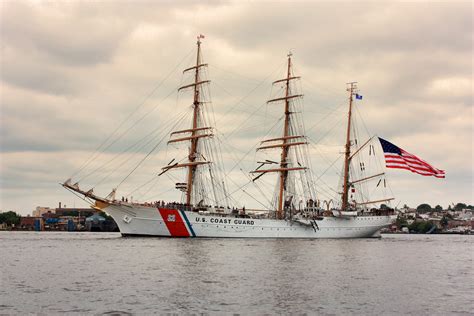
71 72
60 34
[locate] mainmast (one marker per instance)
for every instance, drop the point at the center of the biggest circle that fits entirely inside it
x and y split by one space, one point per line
196 131
285 148
287 140
352 89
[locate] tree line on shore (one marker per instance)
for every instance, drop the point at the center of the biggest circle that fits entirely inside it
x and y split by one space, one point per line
428 226
10 218
426 208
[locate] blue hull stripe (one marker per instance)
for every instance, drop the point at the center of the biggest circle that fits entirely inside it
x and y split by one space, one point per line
187 222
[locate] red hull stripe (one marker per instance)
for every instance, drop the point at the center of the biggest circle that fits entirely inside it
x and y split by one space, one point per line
174 222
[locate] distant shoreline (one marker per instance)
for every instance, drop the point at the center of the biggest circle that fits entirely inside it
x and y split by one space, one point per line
441 233
95 232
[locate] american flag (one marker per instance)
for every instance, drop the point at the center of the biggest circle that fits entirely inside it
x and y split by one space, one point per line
395 157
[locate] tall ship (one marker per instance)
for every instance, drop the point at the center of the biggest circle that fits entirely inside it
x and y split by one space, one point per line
296 211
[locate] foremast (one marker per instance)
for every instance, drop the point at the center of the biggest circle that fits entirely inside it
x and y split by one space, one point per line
194 140
288 140
194 158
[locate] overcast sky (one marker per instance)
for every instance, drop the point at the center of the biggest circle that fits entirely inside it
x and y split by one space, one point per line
72 72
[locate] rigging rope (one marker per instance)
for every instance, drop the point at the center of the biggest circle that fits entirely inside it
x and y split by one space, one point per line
144 158
140 148
94 154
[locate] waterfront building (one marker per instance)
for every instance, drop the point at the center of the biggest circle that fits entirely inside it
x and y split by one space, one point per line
40 210
31 223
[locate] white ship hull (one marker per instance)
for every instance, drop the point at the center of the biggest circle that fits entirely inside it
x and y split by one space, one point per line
134 220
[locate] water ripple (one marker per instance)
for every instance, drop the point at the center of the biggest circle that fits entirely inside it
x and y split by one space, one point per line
104 274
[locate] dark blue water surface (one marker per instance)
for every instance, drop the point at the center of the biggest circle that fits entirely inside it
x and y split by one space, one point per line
102 273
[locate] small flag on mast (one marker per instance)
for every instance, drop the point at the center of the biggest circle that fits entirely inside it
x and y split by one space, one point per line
201 36
358 96
395 157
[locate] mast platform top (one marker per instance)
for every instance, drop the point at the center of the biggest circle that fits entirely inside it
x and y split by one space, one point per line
199 37
352 86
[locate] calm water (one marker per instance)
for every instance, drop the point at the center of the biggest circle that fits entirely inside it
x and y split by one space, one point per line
101 273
